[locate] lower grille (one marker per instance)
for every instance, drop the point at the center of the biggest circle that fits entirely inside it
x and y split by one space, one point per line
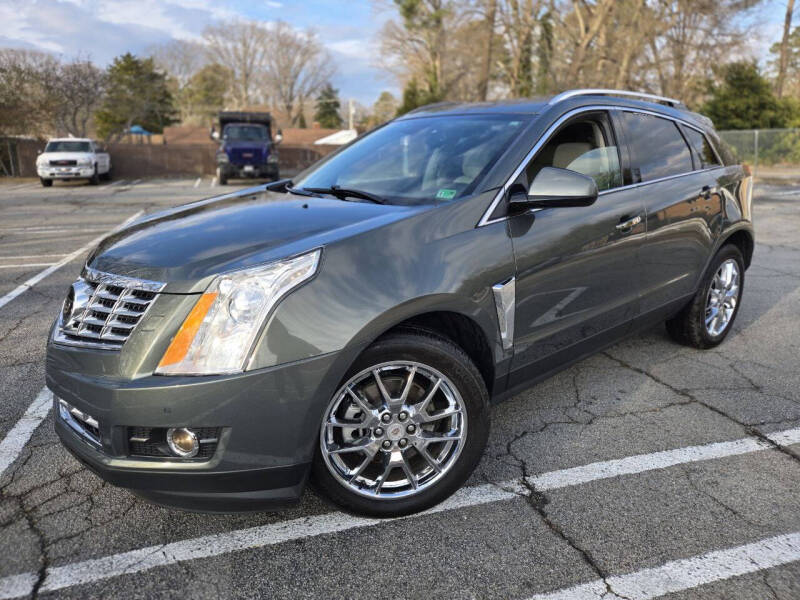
152 442
102 310
83 424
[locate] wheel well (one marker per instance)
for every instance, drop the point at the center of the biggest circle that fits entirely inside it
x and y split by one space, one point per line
463 332
744 241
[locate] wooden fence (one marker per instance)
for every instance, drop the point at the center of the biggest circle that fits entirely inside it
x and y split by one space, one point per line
131 161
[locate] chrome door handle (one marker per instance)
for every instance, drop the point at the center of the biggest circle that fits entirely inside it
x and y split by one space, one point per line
630 223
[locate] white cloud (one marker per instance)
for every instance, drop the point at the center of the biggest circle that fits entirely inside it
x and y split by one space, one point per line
103 29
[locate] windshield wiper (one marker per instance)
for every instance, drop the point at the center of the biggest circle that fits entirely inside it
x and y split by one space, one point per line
300 191
342 193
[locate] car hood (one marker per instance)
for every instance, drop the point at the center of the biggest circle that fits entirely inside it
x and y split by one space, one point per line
186 246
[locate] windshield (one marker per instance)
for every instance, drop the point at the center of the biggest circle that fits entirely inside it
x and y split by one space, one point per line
67 146
419 160
246 133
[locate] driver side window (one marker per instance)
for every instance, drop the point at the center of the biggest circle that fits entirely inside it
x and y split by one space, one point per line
585 145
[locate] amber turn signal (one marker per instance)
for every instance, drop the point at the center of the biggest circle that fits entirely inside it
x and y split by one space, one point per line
183 339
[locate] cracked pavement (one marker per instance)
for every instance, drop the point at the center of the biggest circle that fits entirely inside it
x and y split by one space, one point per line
643 395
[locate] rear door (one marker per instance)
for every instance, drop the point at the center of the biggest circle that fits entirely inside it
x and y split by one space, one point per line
578 273
681 202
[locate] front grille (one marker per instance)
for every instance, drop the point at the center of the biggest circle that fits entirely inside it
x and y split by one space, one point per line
152 442
102 310
63 163
250 157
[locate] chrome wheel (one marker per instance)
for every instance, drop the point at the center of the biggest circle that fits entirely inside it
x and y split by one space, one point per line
393 430
722 297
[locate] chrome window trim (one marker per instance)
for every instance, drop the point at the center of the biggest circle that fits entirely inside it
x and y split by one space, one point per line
545 137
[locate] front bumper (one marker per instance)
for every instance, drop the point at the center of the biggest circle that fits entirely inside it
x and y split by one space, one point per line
46 172
234 171
269 419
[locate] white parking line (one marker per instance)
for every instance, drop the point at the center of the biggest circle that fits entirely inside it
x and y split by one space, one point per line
688 573
15 440
67 259
50 229
197 181
23 256
143 559
21 186
21 265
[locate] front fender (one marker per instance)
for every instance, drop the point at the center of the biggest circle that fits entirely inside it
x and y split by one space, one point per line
433 261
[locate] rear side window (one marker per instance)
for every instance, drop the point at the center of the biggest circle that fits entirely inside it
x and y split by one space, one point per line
701 148
657 147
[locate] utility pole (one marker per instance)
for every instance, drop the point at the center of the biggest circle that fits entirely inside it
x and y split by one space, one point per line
351 112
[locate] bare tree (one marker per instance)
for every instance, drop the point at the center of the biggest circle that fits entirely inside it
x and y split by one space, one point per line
297 67
28 79
783 59
242 47
519 23
486 73
180 59
79 88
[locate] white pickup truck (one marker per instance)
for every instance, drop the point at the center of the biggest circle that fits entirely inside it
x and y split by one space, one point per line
73 158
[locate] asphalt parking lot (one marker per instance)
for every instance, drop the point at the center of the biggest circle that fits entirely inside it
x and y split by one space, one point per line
649 470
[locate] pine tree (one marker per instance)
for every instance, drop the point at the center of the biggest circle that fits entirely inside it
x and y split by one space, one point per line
327 108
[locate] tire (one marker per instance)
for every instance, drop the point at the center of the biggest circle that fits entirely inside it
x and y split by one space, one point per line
46 182
222 179
460 385
95 178
689 326
107 175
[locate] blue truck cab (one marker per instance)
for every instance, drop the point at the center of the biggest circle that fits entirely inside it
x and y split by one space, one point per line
247 148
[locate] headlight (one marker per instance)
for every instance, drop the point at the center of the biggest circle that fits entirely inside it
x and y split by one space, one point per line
220 331
84 162
222 157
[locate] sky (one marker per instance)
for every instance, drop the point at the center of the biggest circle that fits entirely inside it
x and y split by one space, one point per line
349 28
105 29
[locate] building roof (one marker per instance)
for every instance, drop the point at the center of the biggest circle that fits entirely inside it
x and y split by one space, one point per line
345 136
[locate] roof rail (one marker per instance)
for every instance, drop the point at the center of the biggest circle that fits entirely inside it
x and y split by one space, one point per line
601 92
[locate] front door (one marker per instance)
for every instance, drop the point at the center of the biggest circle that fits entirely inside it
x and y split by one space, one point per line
578 269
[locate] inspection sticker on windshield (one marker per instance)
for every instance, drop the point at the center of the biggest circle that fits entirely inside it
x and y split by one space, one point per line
445 194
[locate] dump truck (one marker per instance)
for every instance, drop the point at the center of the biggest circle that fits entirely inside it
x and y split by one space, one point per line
247 147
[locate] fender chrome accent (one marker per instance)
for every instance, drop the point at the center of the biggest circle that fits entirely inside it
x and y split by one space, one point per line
505 299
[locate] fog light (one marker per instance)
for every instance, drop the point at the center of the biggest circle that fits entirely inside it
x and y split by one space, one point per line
182 442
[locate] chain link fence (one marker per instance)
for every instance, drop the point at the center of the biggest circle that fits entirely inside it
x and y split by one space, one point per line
768 152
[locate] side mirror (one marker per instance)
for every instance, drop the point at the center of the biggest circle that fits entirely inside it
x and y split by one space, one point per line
279 136
554 188
214 134
38 152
